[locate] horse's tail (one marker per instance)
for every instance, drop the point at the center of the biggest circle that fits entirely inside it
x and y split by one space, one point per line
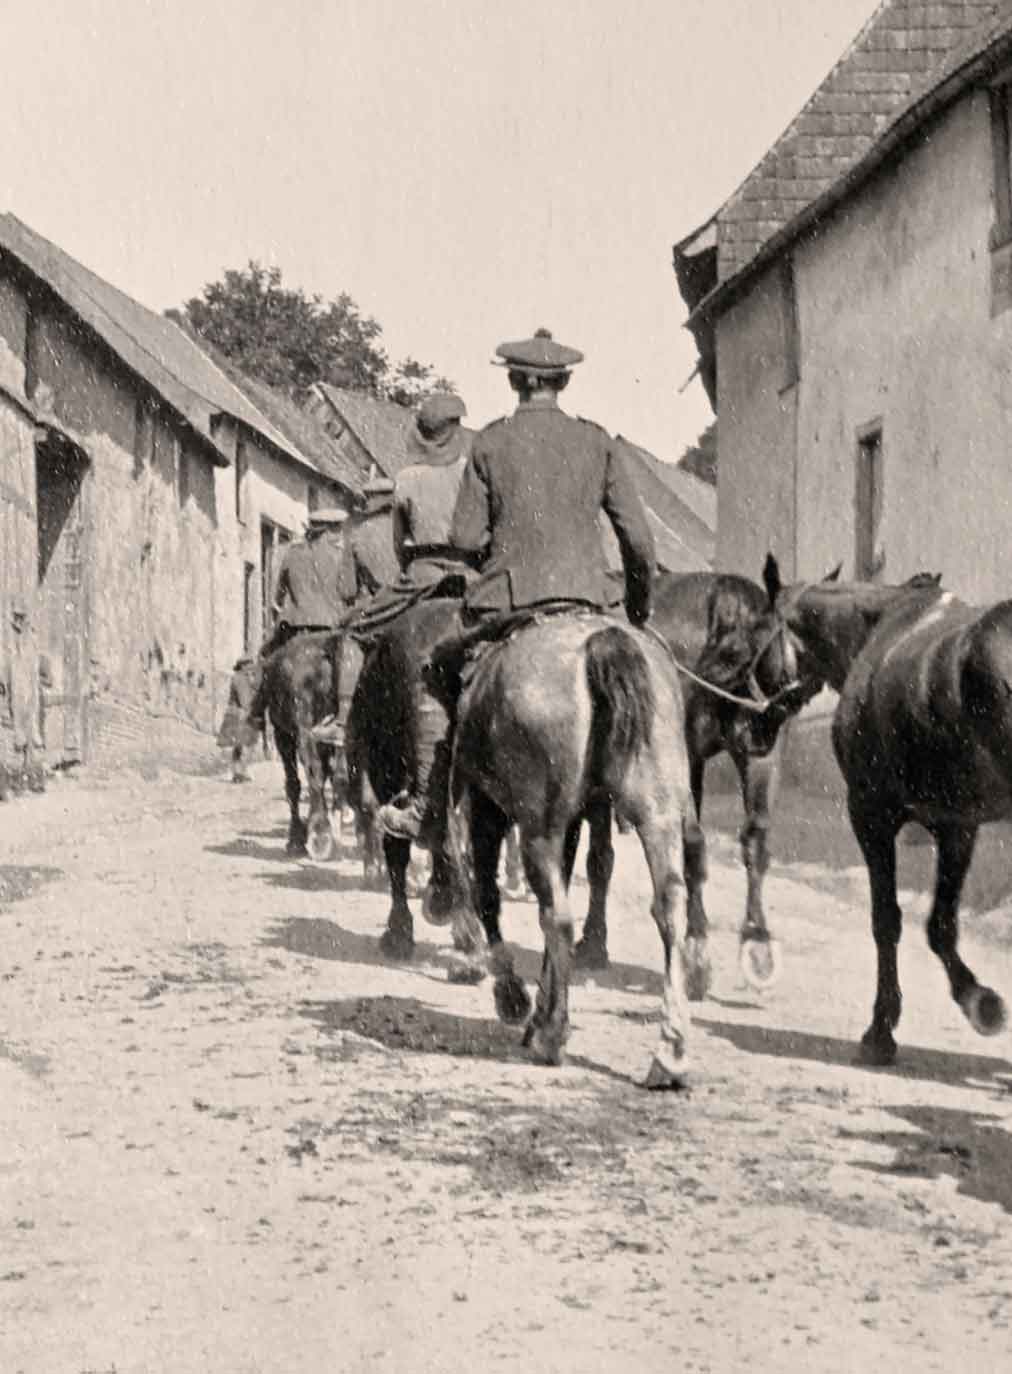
618 679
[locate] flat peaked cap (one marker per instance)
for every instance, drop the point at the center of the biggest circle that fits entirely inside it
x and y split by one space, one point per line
327 515
440 408
540 354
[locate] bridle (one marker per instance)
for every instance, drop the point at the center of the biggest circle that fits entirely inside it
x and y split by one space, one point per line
756 702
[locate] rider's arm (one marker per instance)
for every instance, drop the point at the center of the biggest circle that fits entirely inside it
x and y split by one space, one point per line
628 518
470 529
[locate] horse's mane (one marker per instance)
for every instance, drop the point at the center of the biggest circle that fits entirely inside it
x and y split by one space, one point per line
734 609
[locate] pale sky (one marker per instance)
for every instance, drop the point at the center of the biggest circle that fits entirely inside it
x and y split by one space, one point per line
467 170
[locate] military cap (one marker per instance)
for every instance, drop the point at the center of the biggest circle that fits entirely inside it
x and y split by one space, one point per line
540 354
439 409
327 515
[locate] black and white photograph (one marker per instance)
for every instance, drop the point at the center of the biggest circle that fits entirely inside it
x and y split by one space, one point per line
506 687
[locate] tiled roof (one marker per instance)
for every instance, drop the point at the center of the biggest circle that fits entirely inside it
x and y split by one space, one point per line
903 51
684 541
381 427
151 345
300 428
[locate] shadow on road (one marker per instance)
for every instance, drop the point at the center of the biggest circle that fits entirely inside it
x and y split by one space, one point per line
966 1146
318 938
18 881
938 1066
404 1023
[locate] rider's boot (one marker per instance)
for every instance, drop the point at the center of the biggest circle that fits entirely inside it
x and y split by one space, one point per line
331 729
420 816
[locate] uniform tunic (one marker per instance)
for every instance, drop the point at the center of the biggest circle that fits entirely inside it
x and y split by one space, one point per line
424 498
529 502
316 583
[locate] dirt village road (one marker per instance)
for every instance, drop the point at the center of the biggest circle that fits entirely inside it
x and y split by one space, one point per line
236 1139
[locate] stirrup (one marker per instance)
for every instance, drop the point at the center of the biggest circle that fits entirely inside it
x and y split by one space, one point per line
329 730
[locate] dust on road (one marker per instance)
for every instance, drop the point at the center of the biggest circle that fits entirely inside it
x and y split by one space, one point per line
237 1139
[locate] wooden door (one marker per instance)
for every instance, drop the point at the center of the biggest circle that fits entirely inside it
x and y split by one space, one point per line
60 474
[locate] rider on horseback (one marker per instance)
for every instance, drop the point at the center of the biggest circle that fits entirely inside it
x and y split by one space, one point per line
316 583
528 507
423 500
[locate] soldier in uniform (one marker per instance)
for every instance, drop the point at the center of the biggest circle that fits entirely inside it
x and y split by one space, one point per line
424 496
315 586
528 506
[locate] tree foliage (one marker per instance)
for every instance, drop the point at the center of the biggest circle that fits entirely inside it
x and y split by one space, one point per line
280 335
700 458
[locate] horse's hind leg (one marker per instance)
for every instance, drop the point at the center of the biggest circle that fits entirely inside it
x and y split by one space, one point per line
320 838
293 792
398 940
592 949
982 1007
488 827
759 955
662 846
696 951
549 1026
875 831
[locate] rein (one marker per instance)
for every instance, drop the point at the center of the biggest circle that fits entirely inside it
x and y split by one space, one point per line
757 702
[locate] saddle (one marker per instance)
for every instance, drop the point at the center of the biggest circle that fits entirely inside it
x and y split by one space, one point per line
373 619
454 662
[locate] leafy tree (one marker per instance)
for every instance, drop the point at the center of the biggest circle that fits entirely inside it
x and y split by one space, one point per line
281 336
700 458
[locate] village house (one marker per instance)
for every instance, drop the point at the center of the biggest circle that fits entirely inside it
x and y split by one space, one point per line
851 305
143 498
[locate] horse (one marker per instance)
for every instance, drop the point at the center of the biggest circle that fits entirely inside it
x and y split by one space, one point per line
298 680
923 732
380 758
725 629
569 711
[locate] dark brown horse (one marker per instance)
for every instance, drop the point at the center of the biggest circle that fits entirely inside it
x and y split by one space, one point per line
569 711
381 757
298 680
726 629
922 731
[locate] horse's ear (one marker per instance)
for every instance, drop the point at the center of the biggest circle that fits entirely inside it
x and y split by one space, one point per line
834 576
771 578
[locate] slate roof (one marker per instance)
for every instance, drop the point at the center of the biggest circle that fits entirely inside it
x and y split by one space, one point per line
381 427
901 52
151 345
685 542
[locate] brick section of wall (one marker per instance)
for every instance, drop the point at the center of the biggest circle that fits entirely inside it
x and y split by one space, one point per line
896 56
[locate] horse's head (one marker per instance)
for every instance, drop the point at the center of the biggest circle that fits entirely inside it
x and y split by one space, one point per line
829 621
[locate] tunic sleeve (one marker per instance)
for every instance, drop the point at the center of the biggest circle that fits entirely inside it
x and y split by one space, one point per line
628 518
471 526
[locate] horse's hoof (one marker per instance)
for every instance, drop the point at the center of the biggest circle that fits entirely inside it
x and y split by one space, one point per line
512 1002
590 954
515 892
296 849
465 971
761 963
545 1049
397 944
438 905
984 1010
877 1051
697 968
667 1072
320 843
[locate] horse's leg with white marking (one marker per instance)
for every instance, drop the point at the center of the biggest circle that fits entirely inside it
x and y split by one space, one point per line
592 949
982 1006
296 843
549 1026
698 971
320 838
759 955
398 940
662 848
488 829
875 830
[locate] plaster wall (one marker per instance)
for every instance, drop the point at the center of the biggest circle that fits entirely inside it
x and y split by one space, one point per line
757 408
895 311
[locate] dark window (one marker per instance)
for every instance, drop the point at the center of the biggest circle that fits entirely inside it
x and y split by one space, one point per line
789 313
182 472
241 483
1001 147
869 554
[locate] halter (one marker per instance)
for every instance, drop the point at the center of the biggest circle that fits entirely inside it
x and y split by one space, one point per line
756 702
